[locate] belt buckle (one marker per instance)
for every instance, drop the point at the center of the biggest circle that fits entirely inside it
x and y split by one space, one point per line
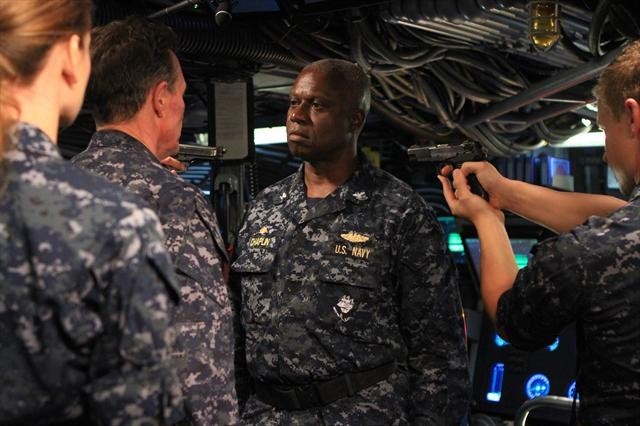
307 396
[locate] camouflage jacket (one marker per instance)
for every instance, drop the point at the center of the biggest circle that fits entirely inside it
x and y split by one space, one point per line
85 288
204 342
590 275
354 282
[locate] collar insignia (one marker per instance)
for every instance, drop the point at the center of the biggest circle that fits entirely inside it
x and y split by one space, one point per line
360 196
354 237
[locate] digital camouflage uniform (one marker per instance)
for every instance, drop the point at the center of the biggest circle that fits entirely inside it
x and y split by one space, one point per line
360 279
204 343
590 274
85 289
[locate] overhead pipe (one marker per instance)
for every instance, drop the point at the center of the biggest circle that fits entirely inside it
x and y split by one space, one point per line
198 36
526 120
558 83
381 109
172 9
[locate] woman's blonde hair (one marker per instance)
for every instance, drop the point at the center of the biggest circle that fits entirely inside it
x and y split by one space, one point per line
28 29
620 81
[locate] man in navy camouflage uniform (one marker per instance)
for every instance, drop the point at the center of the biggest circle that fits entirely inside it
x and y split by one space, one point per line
139 119
350 303
590 273
86 288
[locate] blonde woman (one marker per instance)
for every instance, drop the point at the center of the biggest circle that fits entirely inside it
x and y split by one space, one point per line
85 284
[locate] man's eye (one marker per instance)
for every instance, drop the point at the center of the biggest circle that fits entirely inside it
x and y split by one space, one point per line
316 105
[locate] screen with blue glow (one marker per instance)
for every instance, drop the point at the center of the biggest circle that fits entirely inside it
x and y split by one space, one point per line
505 376
499 341
495 383
521 250
537 385
558 167
552 347
453 238
612 182
554 171
571 391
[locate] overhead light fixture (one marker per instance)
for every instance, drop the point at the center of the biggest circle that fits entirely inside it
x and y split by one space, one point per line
544 24
270 135
583 140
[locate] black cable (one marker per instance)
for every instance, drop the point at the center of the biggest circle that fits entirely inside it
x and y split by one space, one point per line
355 46
624 21
429 92
390 56
596 27
571 47
467 89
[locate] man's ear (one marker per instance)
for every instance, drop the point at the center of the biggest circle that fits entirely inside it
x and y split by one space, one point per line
159 98
633 115
72 48
357 120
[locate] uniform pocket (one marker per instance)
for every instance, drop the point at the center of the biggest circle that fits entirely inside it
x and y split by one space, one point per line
255 266
348 299
199 288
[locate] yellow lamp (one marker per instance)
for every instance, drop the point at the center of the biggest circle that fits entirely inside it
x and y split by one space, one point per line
544 25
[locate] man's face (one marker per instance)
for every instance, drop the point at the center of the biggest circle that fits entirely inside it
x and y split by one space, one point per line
621 150
319 123
172 121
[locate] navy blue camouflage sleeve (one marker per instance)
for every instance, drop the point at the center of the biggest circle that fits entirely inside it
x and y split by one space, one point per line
140 385
432 322
547 293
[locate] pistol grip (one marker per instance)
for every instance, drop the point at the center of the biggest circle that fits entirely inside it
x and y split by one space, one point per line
476 188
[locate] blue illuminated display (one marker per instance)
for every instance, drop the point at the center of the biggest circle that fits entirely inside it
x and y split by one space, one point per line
454 240
522 260
552 347
537 385
495 383
499 341
455 243
571 391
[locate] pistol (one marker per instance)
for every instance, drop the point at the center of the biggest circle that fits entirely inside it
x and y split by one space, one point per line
454 155
193 153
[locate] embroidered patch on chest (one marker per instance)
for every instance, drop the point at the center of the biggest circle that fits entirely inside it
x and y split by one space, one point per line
261 239
354 245
344 307
354 237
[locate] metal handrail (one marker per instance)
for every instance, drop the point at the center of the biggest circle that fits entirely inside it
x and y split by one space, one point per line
556 402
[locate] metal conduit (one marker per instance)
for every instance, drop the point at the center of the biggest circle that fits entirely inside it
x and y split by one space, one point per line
561 81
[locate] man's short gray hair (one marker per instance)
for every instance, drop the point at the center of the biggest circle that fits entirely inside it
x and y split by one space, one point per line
349 77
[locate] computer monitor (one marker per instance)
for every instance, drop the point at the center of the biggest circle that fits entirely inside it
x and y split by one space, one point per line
521 250
553 171
612 182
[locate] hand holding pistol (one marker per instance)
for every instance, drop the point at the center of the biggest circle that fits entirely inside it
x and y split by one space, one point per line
454 155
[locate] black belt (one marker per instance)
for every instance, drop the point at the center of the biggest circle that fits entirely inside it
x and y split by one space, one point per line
303 397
